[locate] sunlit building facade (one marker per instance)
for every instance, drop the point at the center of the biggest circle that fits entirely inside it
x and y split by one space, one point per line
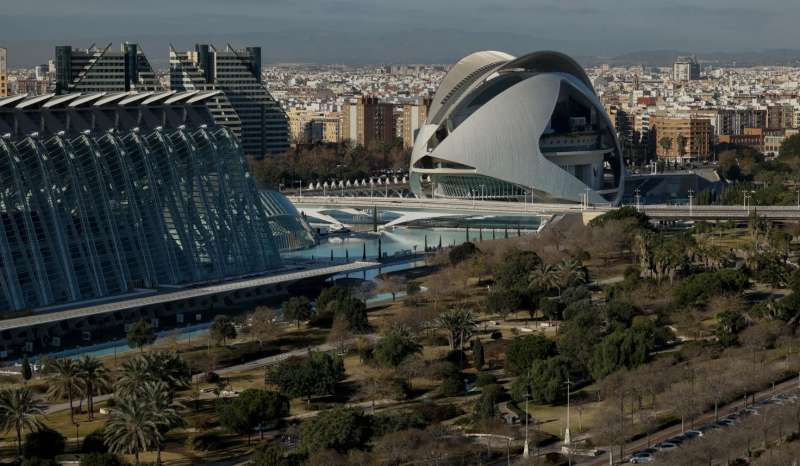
517 129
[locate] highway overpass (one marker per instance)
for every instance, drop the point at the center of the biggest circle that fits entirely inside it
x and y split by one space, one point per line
479 207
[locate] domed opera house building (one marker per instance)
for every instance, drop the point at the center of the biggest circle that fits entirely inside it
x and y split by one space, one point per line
517 129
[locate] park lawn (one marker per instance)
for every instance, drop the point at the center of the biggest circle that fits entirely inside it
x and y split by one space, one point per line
553 419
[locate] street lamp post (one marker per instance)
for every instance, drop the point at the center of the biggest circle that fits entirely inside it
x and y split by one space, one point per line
567 439
638 199
691 197
525 451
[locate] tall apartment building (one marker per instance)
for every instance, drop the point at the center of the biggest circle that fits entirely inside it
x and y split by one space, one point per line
414 116
682 138
3 72
367 121
246 106
324 128
685 69
734 122
780 116
310 127
103 70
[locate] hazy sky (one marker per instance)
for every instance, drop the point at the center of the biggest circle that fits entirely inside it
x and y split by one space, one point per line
380 31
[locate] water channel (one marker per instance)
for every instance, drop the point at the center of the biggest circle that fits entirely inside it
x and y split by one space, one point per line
397 241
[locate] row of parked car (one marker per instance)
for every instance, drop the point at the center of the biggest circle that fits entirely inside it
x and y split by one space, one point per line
648 454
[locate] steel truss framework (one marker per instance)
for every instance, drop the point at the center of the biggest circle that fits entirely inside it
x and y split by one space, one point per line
102 213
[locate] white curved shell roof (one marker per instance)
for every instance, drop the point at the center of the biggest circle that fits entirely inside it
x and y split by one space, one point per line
500 138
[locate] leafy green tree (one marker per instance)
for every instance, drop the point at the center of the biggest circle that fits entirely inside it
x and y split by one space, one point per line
623 213
513 272
395 347
27 372
731 322
619 313
477 354
19 411
94 379
269 454
486 406
331 295
140 335
452 381
551 308
544 382
102 459
340 429
462 252
485 378
64 382
699 288
354 312
665 143
305 377
222 330
522 351
252 408
297 308
94 443
790 147
36 461
625 348
578 338
44 443
503 302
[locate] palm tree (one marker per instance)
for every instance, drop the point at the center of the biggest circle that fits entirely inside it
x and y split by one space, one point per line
94 378
153 367
164 411
459 323
132 427
134 373
168 368
65 382
570 273
19 411
545 277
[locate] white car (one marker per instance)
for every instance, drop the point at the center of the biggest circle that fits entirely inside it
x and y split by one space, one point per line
642 458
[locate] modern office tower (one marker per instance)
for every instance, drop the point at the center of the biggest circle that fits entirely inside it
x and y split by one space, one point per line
103 70
686 69
367 121
3 72
414 116
517 129
682 137
102 195
245 105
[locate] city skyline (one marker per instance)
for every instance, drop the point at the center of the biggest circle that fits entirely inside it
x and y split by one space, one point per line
357 32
